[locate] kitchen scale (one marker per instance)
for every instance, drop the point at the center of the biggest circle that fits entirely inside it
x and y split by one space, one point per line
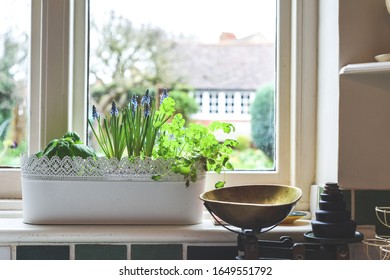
256 209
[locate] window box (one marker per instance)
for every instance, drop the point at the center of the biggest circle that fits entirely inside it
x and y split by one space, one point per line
71 191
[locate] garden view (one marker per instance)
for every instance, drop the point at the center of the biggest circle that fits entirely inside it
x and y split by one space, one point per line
128 57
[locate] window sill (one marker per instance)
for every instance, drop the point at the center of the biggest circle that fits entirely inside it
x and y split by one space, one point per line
14 233
13 230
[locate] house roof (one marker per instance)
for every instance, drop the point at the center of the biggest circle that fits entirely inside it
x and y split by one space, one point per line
232 63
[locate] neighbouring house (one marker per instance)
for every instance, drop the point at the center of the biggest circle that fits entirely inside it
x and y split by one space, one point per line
225 76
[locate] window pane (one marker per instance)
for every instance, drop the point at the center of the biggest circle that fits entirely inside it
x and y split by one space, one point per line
14 45
218 55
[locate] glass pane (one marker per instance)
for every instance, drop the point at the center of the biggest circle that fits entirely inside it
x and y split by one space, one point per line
219 56
14 45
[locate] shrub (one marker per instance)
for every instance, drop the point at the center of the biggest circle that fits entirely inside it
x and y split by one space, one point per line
262 111
244 142
185 104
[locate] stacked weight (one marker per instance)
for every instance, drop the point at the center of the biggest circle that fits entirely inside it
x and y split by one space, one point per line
332 218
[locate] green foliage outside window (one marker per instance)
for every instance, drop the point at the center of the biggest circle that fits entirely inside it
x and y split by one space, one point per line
262 111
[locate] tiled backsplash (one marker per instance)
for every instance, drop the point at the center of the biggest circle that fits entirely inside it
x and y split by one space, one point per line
365 203
27 242
117 252
37 252
100 252
211 252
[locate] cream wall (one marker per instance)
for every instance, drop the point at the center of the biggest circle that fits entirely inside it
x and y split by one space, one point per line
352 110
364 30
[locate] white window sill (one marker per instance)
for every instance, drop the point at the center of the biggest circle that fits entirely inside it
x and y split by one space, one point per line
13 230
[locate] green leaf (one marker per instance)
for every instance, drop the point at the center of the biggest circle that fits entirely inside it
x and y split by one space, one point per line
80 150
74 136
185 170
156 177
63 149
39 154
220 184
50 151
229 166
167 107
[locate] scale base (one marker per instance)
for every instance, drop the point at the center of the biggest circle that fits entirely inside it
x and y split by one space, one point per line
251 248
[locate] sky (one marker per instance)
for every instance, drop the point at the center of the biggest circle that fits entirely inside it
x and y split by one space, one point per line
204 18
14 13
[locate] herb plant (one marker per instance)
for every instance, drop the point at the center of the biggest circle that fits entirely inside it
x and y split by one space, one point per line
142 123
195 147
110 134
69 145
133 129
145 129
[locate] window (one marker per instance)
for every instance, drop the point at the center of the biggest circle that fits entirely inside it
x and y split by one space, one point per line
229 103
246 100
14 48
231 54
14 76
59 82
213 102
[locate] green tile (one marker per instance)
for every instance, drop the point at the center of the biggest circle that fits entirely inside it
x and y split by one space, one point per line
366 201
212 252
157 252
347 199
42 252
100 252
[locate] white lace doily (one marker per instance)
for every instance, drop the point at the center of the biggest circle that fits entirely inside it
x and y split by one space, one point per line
102 168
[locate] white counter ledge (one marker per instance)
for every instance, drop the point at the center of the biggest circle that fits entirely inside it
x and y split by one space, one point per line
13 230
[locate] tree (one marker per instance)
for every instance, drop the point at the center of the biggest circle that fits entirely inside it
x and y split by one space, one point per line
185 104
127 60
262 111
13 54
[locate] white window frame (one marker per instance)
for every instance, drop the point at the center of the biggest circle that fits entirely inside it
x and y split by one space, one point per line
296 101
59 82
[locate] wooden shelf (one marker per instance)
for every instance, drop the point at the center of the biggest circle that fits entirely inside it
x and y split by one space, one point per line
366 68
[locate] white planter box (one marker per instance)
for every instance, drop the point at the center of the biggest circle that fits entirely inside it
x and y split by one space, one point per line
119 199
98 202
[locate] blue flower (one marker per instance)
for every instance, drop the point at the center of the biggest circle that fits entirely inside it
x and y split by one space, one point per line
114 110
147 110
95 114
146 98
134 103
163 95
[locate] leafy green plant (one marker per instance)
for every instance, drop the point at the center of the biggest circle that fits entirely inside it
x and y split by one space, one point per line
195 147
143 129
110 133
142 122
69 145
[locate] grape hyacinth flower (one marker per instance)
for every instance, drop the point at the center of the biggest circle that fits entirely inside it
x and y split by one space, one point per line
147 110
114 110
146 98
163 95
95 114
134 103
